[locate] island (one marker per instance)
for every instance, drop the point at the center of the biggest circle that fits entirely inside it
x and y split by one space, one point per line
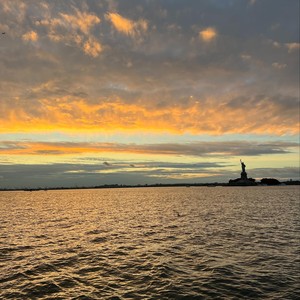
243 180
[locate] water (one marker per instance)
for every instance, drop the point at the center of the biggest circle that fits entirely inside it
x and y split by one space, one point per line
151 243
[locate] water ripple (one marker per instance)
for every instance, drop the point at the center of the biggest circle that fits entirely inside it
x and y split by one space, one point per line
195 243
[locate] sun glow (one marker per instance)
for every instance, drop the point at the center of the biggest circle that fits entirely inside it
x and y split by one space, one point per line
70 115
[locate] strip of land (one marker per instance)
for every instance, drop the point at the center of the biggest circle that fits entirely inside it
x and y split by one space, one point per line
111 186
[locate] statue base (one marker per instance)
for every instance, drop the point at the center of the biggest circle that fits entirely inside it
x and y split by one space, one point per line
244 176
242 182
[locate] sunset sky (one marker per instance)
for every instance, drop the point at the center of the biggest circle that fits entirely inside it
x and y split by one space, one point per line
99 92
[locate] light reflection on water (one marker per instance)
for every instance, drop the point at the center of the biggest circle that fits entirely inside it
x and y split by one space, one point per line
150 243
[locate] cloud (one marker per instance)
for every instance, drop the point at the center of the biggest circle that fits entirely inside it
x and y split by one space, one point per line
92 47
201 149
30 36
285 173
82 21
71 175
16 8
292 46
73 28
260 114
6 145
77 22
67 174
57 175
208 34
279 66
121 24
246 57
127 26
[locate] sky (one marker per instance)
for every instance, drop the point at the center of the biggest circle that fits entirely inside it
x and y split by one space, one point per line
96 92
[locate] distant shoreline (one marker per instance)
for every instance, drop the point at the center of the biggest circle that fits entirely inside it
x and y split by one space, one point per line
111 186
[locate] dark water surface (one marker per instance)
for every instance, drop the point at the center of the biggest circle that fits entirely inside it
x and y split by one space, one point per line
151 243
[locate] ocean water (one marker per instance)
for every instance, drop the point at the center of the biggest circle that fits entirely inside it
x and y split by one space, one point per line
151 243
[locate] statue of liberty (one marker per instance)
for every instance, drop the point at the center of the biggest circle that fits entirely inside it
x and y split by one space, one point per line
243 180
243 166
243 174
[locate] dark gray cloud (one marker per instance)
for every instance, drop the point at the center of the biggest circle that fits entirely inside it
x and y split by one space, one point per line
71 175
5 145
223 149
285 173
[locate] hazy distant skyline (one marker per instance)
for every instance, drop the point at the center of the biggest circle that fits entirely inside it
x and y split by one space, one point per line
147 91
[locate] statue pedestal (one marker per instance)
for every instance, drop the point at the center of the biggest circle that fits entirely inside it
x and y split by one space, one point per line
242 181
244 176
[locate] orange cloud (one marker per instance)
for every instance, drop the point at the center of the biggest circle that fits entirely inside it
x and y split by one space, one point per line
125 25
16 8
81 20
120 23
74 29
208 34
92 47
213 117
30 36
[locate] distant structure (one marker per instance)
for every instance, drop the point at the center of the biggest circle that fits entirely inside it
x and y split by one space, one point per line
269 181
243 180
243 174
